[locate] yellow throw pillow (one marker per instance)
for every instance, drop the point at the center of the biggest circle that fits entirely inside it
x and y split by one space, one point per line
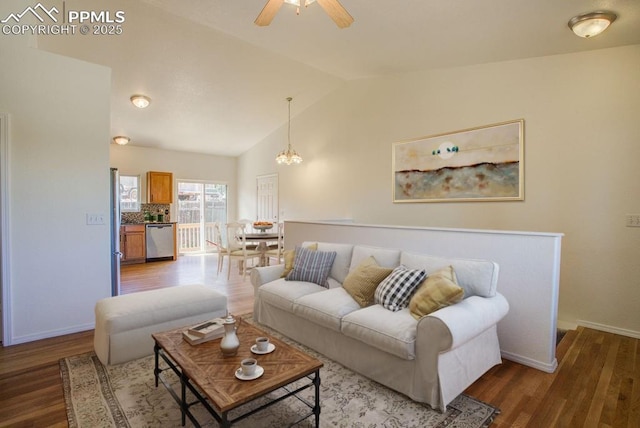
290 257
440 289
361 283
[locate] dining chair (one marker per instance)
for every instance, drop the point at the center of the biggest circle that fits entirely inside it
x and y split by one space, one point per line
221 250
248 224
237 248
275 251
248 228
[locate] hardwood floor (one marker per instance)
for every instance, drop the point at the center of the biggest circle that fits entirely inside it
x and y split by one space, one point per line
597 383
198 269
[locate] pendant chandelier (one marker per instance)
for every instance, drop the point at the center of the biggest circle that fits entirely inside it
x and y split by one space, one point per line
289 156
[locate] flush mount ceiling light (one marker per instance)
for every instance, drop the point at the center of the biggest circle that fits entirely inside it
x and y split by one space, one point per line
289 156
121 140
591 24
140 101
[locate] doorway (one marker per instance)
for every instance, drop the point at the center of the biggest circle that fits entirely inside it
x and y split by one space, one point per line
201 204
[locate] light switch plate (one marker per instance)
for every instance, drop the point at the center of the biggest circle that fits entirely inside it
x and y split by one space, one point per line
95 219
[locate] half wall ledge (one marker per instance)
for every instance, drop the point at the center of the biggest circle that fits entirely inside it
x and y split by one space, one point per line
529 273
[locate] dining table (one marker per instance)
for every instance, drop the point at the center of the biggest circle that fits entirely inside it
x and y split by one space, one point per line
262 240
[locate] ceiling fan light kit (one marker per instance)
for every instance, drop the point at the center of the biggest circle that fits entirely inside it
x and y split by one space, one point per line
297 4
591 24
333 8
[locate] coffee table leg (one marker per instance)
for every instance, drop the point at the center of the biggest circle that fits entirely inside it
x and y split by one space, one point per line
156 371
224 420
316 409
183 398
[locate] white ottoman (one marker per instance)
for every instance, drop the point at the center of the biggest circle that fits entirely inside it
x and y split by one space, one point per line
124 324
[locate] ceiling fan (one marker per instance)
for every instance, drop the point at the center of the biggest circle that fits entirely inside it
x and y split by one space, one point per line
333 8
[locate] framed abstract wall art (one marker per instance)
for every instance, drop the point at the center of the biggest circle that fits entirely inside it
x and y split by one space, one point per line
477 164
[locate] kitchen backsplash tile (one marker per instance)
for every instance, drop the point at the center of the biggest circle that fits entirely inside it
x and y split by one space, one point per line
138 217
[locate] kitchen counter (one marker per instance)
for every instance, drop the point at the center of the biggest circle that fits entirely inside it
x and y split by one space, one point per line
137 246
148 222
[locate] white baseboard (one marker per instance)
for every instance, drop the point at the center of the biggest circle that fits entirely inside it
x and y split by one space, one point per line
51 333
539 365
609 329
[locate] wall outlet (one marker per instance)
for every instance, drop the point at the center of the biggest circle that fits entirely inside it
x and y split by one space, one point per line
95 219
633 220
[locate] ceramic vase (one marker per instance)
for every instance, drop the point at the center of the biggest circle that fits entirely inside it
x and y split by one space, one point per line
230 342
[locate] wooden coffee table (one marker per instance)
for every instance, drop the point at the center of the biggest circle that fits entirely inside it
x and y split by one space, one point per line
211 377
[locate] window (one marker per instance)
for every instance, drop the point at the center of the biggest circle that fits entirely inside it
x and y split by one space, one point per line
129 193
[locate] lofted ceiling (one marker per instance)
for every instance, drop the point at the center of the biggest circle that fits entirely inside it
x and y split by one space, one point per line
218 82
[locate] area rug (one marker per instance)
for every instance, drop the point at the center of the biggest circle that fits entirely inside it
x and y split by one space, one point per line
125 396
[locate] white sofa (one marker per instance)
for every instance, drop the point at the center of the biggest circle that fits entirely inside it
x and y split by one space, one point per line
431 360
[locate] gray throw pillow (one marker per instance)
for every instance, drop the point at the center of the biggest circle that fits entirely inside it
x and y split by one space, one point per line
312 266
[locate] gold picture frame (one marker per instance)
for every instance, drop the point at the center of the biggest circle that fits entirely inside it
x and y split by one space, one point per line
476 164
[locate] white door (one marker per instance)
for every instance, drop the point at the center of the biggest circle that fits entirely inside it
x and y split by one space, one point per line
267 204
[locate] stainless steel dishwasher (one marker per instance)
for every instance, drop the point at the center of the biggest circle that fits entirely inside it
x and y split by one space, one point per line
160 241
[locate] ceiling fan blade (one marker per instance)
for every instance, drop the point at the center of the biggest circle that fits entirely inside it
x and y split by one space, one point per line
268 12
336 12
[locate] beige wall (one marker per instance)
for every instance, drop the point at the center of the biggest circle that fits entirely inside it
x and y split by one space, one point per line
582 145
132 160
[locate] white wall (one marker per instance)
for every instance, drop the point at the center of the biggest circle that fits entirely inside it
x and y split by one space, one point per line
529 273
582 134
59 172
132 160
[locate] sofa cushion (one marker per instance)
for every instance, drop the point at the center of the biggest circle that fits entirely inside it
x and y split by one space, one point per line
325 308
394 291
476 277
392 332
312 266
361 283
341 264
282 293
384 256
439 290
290 256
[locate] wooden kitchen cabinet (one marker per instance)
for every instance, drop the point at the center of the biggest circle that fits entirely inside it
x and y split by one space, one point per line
133 244
159 187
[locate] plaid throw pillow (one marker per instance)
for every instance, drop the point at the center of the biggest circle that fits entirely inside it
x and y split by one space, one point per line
394 291
312 266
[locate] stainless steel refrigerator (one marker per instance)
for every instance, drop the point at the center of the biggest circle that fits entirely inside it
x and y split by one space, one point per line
115 231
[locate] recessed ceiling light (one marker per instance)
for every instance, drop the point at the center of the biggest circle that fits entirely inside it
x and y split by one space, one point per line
591 24
121 140
140 101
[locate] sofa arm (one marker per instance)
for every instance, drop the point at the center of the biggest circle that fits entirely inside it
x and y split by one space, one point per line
467 319
262 275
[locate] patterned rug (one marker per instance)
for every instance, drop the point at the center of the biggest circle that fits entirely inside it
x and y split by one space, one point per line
125 396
